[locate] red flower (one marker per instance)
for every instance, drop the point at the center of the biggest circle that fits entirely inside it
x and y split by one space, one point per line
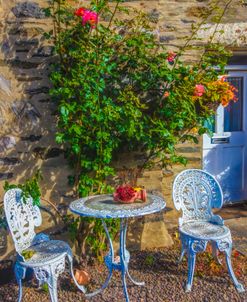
80 11
236 254
199 90
90 17
171 57
124 193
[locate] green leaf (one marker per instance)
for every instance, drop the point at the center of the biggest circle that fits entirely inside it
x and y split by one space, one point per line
47 11
64 111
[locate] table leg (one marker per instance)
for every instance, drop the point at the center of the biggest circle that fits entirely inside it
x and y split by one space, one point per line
124 258
109 260
112 265
130 277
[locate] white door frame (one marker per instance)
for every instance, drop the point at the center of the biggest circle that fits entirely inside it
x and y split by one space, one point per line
221 135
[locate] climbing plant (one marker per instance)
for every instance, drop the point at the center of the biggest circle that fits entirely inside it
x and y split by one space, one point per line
30 188
117 88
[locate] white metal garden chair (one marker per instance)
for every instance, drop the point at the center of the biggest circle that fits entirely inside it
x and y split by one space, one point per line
48 256
196 192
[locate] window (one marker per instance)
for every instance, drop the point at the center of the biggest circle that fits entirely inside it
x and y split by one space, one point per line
233 113
230 118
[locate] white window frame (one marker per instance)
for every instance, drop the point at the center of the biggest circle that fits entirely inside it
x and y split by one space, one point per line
219 116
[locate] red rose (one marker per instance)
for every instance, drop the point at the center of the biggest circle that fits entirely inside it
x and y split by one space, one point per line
90 17
80 11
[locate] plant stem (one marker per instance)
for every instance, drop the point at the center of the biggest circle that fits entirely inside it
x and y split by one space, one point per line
52 205
113 15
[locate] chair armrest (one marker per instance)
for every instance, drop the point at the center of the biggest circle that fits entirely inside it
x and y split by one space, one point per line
41 237
217 220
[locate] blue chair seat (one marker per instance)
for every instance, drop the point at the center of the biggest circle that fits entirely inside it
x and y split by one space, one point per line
46 252
204 230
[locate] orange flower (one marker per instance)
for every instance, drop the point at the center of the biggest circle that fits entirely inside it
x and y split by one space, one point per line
224 102
224 89
166 94
222 78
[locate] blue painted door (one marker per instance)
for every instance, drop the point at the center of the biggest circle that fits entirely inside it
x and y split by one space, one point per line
225 154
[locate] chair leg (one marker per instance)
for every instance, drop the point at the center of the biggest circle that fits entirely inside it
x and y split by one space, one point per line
20 272
185 246
195 246
49 274
215 252
191 269
52 285
225 245
238 285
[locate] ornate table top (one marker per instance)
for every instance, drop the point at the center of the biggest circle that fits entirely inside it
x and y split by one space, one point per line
103 206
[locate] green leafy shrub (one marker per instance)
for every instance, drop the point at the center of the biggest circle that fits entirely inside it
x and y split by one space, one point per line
29 188
118 89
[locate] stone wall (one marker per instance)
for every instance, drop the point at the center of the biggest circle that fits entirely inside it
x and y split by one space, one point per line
27 116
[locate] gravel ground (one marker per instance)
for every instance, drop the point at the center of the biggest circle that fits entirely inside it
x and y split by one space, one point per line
163 277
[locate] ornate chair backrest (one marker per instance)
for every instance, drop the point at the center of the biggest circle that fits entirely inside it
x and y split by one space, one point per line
22 217
196 192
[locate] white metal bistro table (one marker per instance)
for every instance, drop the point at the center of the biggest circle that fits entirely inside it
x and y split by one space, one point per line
103 207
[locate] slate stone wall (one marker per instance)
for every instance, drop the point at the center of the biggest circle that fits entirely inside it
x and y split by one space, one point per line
27 116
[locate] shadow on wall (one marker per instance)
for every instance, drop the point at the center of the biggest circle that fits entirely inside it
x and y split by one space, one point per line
28 116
